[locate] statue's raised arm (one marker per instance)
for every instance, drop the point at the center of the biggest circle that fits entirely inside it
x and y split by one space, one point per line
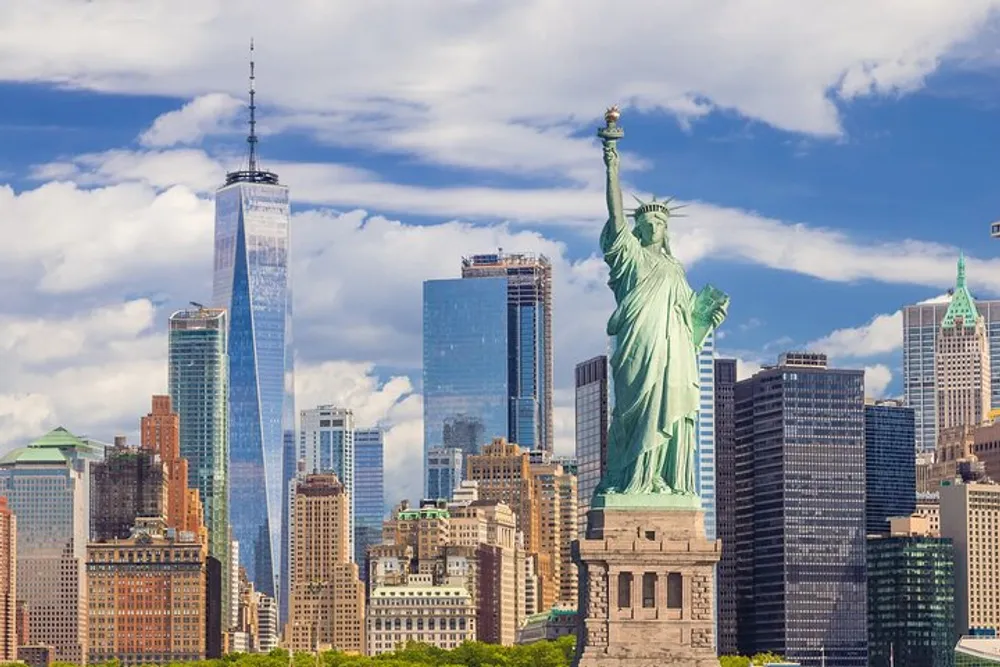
610 134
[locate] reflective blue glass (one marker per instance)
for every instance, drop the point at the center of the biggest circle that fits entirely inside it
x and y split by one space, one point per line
369 491
890 467
251 280
465 359
444 472
705 459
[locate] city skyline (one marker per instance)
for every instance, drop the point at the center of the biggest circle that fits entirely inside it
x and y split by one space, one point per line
139 160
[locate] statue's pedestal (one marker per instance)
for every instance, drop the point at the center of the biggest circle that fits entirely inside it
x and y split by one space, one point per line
646 589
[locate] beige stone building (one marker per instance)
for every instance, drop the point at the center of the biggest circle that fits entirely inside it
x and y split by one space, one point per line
929 508
961 362
326 598
559 521
439 615
147 596
970 516
504 474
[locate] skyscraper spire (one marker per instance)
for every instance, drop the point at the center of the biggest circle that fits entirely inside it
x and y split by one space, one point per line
960 282
253 172
252 137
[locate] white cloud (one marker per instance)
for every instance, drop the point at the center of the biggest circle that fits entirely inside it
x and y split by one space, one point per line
882 335
202 116
496 85
877 380
746 368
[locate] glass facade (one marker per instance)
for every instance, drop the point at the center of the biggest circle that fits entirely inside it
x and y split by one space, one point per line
911 601
445 471
198 369
465 341
369 489
921 324
800 521
592 419
529 335
725 511
705 460
890 466
251 281
326 444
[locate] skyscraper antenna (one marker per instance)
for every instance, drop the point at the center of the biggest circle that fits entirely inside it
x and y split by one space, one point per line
252 137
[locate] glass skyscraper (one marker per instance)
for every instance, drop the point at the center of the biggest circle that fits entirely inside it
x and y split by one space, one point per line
911 601
705 460
800 518
445 471
369 489
251 281
529 336
593 412
465 358
890 466
198 380
326 444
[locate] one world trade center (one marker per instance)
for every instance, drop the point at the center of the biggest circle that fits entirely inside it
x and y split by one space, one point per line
251 281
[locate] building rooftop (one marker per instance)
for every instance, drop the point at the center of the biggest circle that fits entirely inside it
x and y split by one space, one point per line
52 448
962 306
421 590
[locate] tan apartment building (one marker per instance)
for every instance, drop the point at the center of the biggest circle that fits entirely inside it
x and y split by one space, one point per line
556 491
504 474
970 516
326 598
147 596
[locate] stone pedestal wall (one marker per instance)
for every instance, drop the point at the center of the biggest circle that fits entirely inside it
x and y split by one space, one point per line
646 589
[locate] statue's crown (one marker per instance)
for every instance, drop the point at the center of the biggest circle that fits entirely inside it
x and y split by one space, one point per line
651 206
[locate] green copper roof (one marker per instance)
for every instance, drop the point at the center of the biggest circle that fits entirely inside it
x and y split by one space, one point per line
59 438
962 304
34 455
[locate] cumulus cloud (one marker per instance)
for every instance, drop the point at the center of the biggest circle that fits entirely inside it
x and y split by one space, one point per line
204 115
877 380
495 85
882 335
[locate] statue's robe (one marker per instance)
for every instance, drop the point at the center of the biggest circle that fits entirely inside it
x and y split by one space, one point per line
651 443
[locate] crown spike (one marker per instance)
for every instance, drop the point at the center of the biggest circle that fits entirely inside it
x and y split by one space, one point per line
252 137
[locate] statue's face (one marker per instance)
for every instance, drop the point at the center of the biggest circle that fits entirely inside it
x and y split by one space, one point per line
651 228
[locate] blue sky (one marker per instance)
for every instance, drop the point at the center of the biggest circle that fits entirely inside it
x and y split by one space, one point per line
835 160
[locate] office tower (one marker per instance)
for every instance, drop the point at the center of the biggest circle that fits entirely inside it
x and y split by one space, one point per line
444 472
160 432
267 624
504 474
252 282
962 362
9 607
890 466
556 491
22 614
592 420
326 444
327 599
369 490
529 323
911 596
921 326
704 461
198 379
800 512
141 614
441 616
47 485
725 498
129 483
216 625
970 516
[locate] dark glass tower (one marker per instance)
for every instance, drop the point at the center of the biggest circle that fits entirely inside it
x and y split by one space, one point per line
129 483
251 281
725 499
890 464
592 420
369 489
800 513
911 601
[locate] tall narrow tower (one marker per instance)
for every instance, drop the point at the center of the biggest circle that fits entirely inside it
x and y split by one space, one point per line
251 281
962 361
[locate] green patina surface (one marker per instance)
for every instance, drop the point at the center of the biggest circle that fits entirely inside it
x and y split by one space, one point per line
659 325
48 449
412 515
962 306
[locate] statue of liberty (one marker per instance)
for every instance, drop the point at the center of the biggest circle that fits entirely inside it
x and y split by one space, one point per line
659 325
